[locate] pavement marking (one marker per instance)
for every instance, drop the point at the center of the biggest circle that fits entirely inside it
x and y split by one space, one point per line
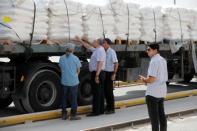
46 115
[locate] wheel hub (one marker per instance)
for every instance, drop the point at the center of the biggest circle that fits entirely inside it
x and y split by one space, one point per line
46 93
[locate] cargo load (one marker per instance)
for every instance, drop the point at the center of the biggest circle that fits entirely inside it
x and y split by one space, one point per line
23 20
193 25
98 22
65 20
176 23
127 19
17 18
152 24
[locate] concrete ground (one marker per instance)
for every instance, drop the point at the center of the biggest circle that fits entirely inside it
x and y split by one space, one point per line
123 93
185 123
121 115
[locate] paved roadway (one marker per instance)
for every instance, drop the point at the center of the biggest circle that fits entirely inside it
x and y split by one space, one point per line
121 116
123 93
186 123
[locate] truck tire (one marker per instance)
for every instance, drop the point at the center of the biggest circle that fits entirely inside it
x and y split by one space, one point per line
85 90
188 77
43 91
5 102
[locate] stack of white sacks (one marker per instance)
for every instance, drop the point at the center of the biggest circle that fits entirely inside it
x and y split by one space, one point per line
152 24
176 23
98 22
65 20
134 22
120 13
124 13
18 15
193 25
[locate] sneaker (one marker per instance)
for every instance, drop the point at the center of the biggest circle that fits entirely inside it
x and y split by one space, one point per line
72 118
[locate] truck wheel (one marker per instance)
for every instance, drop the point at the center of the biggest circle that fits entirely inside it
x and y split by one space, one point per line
43 91
188 77
5 102
85 91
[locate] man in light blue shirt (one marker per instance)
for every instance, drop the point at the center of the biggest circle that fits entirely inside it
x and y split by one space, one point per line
111 67
70 69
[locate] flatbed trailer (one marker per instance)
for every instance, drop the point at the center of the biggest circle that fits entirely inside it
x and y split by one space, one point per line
32 81
58 49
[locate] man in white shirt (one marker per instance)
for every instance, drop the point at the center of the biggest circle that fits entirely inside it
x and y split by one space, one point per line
96 67
111 67
156 88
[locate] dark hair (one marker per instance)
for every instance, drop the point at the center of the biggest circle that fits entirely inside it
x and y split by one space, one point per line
100 41
108 41
154 46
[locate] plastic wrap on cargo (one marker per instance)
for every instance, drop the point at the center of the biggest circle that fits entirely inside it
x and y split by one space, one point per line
17 16
193 25
127 19
98 22
176 23
65 20
152 24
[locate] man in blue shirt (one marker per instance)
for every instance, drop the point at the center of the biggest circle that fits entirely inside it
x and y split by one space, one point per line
70 69
111 67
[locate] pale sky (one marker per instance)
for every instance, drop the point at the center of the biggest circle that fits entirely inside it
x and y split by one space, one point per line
181 3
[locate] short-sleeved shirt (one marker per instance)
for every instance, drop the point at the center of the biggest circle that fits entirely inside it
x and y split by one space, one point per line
111 58
98 54
158 69
69 66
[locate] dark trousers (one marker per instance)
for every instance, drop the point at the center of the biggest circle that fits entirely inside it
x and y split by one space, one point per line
108 91
156 113
73 90
98 93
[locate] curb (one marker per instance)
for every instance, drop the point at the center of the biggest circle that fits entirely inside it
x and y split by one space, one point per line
46 115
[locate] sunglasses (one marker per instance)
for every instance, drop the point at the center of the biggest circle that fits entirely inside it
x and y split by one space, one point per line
148 49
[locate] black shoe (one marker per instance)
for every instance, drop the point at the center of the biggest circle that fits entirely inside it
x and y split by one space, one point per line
64 115
102 113
109 112
73 118
92 114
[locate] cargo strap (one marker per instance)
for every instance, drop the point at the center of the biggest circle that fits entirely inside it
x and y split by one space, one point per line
128 33
67 19
194 57
128 23
12 30
33 25
155 26
103 28
180 22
